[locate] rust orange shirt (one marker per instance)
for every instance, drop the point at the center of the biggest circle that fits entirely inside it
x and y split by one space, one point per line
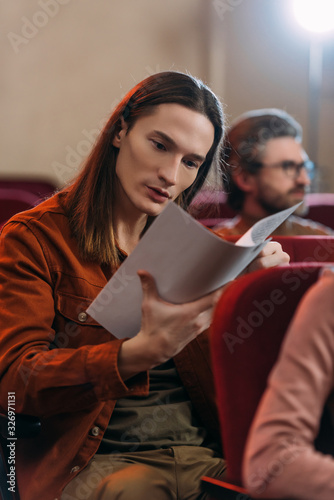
59 362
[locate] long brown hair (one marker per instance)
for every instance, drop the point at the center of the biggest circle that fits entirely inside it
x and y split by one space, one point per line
89 200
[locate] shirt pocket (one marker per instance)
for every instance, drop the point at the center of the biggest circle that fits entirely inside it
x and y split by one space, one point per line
73 326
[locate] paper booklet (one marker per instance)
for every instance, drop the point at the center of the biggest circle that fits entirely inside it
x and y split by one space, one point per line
187 261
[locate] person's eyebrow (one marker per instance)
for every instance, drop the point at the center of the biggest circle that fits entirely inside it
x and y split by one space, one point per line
172 143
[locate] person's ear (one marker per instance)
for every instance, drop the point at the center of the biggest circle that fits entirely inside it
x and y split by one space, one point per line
120 133
246 181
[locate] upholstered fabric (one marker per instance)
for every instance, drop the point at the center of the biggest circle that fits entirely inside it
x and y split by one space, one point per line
246 334
211 208
13 201
303 248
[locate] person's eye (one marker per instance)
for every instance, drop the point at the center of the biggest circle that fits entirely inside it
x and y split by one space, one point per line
159 145
289 165
191 164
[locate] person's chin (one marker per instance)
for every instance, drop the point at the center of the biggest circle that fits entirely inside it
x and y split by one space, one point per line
155 209
302 209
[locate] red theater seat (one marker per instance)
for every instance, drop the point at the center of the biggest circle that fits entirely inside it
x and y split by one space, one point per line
304 248
308 248
211 207
321 208
13 201
40 188
248 327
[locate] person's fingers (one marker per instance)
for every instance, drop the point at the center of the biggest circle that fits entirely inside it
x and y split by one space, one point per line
326 272
148 284
286 258
275 259
270 248
273 255
204 320
202 304
201 309
207 302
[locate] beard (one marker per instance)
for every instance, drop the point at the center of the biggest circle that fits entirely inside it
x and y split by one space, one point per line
273 204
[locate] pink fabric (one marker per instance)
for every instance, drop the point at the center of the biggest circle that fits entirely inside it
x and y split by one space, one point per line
280 459
248 327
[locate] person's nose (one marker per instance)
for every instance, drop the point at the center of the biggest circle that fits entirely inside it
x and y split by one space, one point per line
168 172
303 177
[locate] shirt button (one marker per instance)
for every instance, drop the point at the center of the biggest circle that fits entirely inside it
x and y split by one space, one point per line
82 316
75 469
95 431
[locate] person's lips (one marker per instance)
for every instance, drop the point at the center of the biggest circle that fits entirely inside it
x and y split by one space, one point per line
158 194
298 192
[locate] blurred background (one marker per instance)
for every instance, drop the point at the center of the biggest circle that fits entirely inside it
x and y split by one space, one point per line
66 63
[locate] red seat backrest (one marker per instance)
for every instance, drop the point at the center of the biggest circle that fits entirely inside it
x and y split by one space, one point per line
312 248
40 188
211 207
249 324
321 208
308 248
211 204
13 201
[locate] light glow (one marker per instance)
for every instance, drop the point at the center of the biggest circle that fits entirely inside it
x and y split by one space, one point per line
315 15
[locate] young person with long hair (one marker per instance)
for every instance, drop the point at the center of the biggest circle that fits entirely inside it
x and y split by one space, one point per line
130 418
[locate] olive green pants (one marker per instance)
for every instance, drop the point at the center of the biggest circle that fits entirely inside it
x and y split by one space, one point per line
165 474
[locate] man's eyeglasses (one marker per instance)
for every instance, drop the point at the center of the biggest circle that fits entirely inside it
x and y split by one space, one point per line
291 168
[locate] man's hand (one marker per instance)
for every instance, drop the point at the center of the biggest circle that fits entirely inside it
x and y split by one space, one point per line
166 328
271 255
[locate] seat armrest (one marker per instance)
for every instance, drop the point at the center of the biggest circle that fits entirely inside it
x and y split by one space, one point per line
222 490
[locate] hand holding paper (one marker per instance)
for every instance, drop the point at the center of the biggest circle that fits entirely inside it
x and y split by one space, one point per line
186 260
